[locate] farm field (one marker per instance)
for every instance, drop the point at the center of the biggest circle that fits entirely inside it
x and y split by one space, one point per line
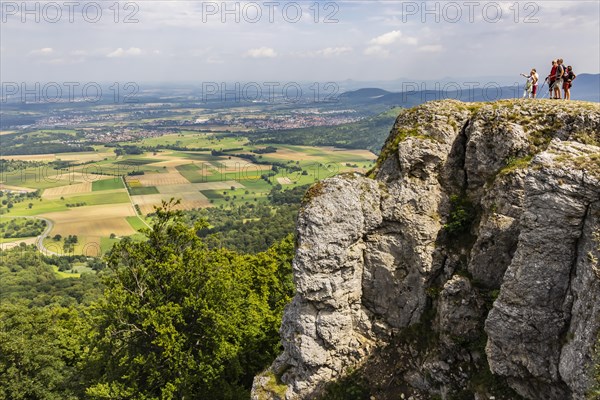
89 198
35 178
107 184
67 202
67 190
78 156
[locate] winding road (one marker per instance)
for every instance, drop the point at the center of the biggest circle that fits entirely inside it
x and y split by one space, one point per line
38 241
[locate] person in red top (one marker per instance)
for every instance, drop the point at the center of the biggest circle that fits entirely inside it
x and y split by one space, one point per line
551 78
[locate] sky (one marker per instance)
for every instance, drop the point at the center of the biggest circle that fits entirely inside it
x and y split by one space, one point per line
200 41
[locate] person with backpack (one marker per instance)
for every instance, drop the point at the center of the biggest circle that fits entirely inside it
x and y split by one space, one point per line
558 79
551 78
568 78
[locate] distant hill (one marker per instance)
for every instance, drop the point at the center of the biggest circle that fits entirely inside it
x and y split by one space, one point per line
365 93
585 87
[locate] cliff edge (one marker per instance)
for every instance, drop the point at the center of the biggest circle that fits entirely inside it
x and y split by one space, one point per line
465 265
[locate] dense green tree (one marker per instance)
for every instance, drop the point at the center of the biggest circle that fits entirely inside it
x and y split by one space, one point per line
40 352
28 277
42 327
182 321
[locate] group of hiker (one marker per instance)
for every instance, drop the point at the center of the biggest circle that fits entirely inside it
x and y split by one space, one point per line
559 77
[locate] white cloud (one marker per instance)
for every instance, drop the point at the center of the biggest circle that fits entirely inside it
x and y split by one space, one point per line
261 52
409 40
392 37
431 48
132 51
386 38
46 51
378 44
377 51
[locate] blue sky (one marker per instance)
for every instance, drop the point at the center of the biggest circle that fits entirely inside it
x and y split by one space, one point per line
188 41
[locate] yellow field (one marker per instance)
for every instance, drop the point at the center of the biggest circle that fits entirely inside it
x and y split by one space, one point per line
189 200
67 190
169 178
97 221
134 183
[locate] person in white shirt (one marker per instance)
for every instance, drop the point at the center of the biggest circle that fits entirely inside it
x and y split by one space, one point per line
531 85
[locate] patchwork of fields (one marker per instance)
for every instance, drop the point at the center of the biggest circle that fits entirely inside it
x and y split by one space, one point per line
101 197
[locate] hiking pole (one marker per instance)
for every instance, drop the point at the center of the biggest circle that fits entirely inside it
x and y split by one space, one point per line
542 88
550 88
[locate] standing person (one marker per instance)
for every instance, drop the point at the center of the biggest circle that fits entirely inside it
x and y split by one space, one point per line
568 78
558 81
528 86
551 78
535 79
531 85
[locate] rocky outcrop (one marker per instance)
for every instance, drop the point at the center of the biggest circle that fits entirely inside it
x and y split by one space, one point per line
465 264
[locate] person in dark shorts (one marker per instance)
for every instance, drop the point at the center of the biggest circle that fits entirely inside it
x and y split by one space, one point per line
568 79
551 78
558 78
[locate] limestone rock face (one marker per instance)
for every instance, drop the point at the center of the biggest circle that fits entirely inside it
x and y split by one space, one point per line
531 319
465 264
